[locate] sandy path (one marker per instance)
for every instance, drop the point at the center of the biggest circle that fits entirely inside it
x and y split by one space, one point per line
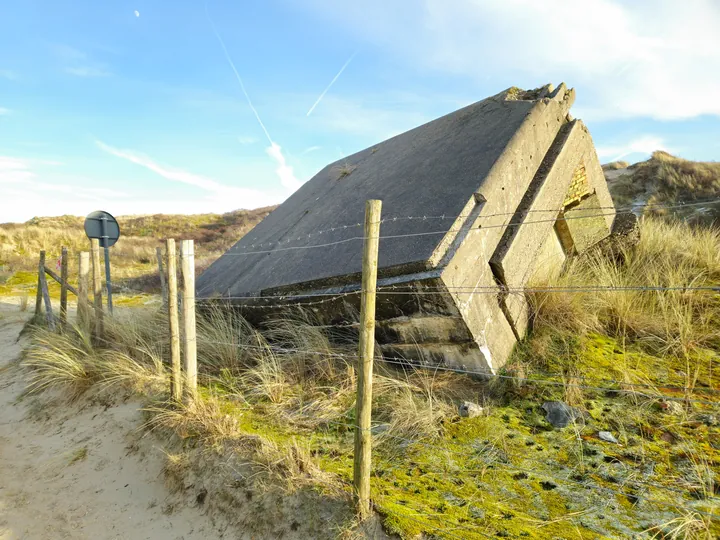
81 471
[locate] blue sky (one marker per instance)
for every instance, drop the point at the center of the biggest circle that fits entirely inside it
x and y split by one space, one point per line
132 106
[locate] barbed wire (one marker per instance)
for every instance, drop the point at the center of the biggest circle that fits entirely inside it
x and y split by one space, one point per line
394 219
404 362
496 464
289 300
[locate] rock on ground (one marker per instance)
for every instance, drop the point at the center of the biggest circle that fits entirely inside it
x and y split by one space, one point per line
560 414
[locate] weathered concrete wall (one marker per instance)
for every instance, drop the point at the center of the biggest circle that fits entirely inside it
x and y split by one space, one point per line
502 192
563 178
587 223
598 183
490 181
550 260
432 170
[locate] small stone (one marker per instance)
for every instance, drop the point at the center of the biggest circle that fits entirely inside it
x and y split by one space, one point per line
708 419
560 414
607 437
470 410
672 407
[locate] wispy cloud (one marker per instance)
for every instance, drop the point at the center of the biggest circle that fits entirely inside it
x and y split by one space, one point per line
169 173
335 78
285 173
15 170
9 75
646 145
247 140
665 44
250 198
23 179
4 111
53 193
78 63
310 149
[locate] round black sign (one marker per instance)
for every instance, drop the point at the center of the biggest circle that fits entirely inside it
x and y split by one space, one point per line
103 226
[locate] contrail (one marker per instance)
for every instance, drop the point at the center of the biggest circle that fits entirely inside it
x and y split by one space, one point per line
239 78
335 78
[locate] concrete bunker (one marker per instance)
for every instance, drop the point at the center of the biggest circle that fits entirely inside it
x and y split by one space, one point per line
476 204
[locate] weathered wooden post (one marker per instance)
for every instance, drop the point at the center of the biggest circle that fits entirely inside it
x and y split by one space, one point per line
63 286
187 259
83 306
363 408
38 294
45 292
161 271
97 288
176 376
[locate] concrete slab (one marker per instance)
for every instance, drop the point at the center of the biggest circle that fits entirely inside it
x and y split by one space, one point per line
587 223
478 187
432 170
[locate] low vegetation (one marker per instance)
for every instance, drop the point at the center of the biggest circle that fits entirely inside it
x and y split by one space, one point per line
665 180
133 257
277 404
271 431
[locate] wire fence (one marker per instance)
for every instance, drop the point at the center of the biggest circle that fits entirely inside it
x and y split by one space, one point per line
591 213
448 453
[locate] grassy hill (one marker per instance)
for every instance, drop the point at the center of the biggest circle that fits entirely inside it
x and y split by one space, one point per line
667 180
638 365
133 257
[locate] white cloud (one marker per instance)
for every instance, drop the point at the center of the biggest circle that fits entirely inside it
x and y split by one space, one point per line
19 178
14 206
245 140
4 111
327 88
78 63
23 180
310 149
646 145
249 198
9 75
287 177
655 59
15 170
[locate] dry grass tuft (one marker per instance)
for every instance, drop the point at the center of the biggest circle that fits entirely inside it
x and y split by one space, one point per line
677 321
68 360
689 526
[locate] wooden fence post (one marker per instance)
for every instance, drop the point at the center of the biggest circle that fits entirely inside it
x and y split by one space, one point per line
45 292
176 376
161 271
63 286
187 261
97 288
83 305
38 295
363 408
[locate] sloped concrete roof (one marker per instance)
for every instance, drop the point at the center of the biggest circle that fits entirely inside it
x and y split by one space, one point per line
432 170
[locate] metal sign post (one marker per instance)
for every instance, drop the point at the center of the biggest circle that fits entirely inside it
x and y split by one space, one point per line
105 228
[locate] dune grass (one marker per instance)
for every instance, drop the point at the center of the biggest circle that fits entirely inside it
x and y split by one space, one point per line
665 182
133 257
281 398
